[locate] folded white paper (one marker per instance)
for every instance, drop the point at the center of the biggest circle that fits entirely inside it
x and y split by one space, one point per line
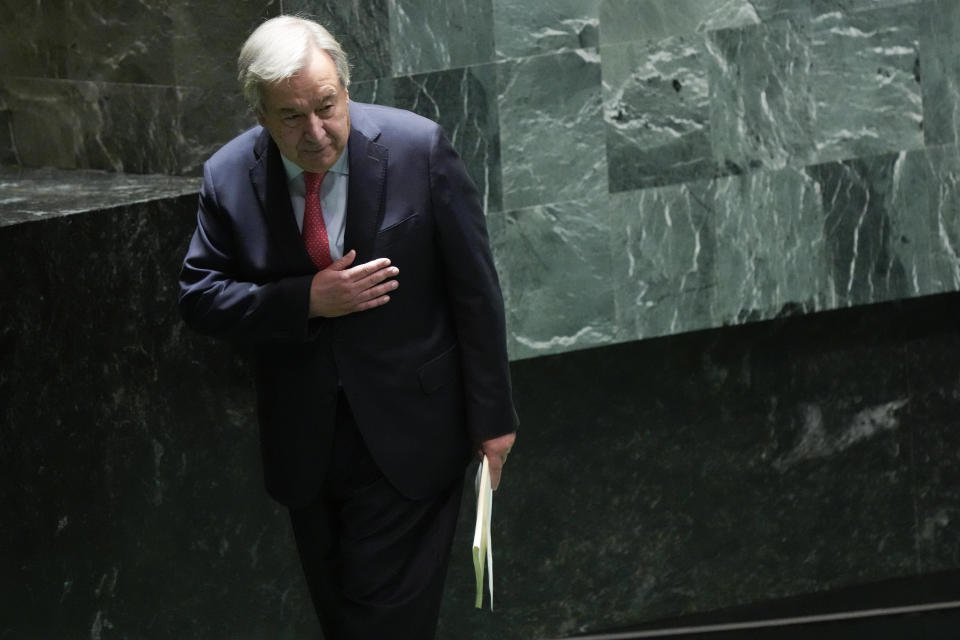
482 545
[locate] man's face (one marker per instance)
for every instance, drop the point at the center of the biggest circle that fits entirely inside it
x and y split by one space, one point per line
308 115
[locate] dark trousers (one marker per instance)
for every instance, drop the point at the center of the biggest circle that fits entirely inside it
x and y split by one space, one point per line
374 561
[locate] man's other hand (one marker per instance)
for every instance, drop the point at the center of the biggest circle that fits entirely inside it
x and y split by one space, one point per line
496 451
341 289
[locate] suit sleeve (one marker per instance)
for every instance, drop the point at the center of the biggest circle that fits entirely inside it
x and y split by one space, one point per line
474 292
219 296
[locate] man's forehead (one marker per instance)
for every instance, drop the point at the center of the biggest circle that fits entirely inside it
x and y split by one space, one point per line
300 93
292 92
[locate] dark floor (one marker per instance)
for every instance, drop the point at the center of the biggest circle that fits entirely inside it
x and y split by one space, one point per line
878 611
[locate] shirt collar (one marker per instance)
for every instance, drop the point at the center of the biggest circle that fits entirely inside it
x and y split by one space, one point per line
341 166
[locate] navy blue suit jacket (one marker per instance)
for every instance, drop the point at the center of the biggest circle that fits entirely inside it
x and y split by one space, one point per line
426 374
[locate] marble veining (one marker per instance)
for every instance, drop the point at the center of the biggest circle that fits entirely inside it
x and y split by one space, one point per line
630 20
845 86
925 225
865 80
524 28
363 28
657 113
464 102
710 253
762 109
689 420
429 35
770 259
554 262
822 7
38 194
858 218
662 256
550 121
793 131
772 113
130 442
119 127
940 71
815 441
375 91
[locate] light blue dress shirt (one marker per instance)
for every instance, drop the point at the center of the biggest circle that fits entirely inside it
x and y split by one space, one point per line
333 198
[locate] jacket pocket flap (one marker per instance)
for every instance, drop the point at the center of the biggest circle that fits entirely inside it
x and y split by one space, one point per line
439 371
386 237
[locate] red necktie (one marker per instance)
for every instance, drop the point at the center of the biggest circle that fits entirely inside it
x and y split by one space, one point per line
314 228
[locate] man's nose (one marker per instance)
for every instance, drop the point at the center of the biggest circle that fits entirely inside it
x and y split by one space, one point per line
315 128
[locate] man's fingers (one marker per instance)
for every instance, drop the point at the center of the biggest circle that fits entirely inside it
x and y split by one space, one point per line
377 295
367 269
342 263
375 281
370 304
338 290
497 450
496 468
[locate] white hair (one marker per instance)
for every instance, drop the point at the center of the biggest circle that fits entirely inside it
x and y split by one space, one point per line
279 48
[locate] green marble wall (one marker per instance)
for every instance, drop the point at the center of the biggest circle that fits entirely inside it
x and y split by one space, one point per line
760 159
649 167
666 166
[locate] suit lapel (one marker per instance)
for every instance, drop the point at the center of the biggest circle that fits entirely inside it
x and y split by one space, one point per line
365 205
368 172
269 180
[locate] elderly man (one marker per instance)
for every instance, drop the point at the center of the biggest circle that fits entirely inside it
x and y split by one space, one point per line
345 246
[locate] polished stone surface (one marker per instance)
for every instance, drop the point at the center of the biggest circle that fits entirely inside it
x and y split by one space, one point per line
753 247
148 43
129 446
123 127
429 35
39 194
719 468
751 118
524 28
865 82
657 113
464 102
760 96
555 274
843 86
892 223
125 47
883 610
550 125
925 244
710 253
803 11
940 68
652 479
363 28
632 20
192 43
375 91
